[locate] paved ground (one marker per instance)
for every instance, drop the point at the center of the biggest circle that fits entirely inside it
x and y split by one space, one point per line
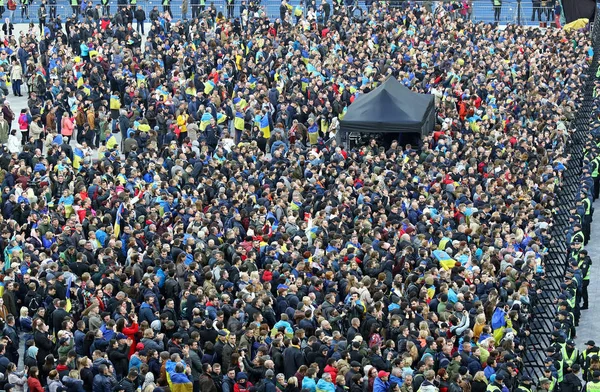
588 324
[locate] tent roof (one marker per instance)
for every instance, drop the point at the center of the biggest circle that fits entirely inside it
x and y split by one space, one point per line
392 105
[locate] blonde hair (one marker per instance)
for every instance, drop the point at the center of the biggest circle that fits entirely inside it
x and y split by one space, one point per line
480 376
24 312
293 381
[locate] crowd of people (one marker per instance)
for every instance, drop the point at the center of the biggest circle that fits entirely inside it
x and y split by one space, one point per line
178 216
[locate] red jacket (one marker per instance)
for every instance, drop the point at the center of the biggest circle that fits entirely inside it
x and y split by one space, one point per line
130 332
34 385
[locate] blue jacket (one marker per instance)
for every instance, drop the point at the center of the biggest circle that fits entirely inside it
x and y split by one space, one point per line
380 386
147 313
325 386
135 362
308 384
102 384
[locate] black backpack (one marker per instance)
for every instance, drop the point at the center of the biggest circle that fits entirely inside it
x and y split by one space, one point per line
34 304
260 387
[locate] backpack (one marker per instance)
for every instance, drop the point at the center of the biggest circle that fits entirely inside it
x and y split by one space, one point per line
261 386
375 340
33 305
12 5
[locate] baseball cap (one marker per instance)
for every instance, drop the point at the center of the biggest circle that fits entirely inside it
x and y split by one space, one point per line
382 373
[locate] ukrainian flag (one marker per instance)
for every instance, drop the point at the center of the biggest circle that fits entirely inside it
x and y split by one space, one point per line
264 126
141 79
221 118
304 84
77 157
117 229
252 80
68 293
238 122
115 102
446 262
111 143
205 120
305 56
209 87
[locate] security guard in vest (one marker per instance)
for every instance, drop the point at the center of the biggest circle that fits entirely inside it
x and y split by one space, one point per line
576 242
585 263
551 380
575 272
105 7
167 6
570 354
587 218
525 385
593 360
594 385
570 287
595 175
554 362
497 385
588 353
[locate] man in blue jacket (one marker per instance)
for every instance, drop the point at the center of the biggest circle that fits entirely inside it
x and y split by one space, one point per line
147 310
381 383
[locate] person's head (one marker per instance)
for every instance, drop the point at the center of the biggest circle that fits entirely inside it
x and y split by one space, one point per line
33 372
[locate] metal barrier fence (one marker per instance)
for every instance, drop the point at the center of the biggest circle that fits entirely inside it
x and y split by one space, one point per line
482 10
557 259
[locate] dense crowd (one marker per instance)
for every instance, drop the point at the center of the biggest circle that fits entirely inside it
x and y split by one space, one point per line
177 214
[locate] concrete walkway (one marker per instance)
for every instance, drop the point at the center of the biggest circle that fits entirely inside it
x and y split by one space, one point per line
588 324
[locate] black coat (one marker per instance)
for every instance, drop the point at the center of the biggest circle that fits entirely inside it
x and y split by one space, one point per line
57 317
44 345
571 383
293 359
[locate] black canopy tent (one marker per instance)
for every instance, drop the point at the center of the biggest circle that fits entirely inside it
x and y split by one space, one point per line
391 109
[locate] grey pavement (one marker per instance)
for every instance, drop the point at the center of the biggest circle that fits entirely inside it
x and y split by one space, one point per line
589 327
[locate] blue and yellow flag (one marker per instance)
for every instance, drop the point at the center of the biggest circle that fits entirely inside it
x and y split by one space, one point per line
77 157
205 120
264 126
117 229
115 102
238 122
446 262
112 143
304 84
209 87
141 79
221 118
68 293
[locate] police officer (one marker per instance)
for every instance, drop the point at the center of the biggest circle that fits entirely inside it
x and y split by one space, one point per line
497 385
570 354
587 217
585 263
551 379
588 353
525 385
594 385
577 241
